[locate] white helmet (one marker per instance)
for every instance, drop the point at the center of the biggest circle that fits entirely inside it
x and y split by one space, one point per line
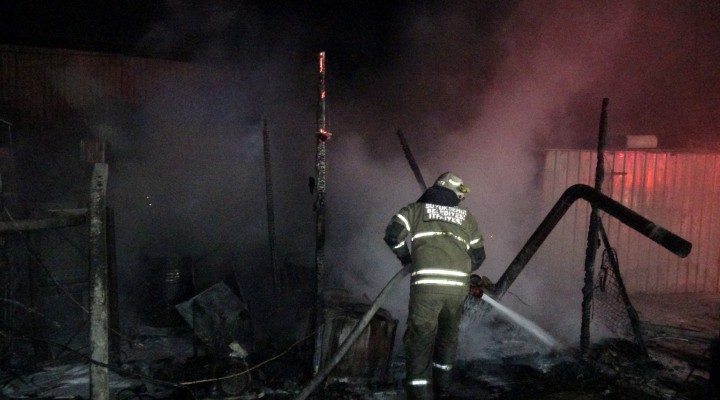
451 181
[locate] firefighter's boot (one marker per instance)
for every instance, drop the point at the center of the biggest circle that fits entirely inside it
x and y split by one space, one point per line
418 391
442 379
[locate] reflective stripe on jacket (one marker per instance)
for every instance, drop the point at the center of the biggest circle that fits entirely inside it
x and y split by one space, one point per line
439 276
440 238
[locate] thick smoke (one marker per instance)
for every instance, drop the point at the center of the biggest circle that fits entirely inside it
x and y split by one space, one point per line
484 94
479 88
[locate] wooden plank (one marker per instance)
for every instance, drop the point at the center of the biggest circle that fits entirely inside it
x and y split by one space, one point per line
41 223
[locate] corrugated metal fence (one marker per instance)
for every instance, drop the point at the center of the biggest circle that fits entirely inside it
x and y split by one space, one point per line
680 191
42 87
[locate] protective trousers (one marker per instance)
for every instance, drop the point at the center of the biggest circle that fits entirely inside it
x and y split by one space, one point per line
430 341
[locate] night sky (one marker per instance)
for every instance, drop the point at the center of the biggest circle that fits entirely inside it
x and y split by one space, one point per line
358 33
659 55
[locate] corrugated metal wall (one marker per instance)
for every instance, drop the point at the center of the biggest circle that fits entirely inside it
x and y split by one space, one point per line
680 191
43 87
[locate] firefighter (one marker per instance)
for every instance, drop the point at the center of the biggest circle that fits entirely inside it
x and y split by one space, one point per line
441 240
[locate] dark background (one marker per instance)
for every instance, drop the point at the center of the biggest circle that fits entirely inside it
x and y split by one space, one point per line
655 60
478 87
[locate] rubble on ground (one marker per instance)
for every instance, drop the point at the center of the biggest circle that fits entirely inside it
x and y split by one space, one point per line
166 363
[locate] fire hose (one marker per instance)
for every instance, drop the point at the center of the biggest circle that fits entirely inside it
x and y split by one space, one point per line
354 334
656 233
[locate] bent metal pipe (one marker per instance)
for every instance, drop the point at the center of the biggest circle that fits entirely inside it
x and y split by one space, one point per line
654 232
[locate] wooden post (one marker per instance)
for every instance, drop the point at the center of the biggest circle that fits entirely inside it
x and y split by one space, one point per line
321 136
99 348
593 230
411 160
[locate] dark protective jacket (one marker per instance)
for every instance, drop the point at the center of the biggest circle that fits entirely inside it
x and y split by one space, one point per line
445 242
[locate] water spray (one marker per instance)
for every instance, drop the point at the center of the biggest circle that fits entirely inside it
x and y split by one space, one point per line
523 322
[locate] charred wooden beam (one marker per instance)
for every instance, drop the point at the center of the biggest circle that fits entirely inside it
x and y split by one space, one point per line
59 221
593 228
321 136
413 164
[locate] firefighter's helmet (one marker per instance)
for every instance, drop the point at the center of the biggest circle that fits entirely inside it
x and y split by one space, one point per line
453 182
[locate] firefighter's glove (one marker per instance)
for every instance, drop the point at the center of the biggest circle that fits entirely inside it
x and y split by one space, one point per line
475 288
476 291
480 285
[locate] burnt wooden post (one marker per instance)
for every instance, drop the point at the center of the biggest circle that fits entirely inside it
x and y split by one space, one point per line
99 348
321 136
592 238
413 164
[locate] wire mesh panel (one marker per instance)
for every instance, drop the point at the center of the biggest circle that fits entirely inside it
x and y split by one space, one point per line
608 305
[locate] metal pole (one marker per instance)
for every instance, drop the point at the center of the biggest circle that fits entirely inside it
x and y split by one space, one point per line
321 136
592 238
99 349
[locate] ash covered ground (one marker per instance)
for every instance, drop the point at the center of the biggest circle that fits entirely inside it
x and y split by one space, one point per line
678 331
